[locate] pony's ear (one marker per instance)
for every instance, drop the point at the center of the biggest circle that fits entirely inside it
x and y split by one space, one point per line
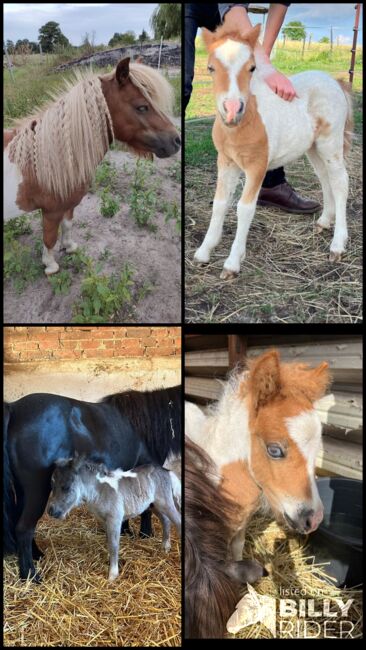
252 36
208 38
123 71
317 381
264 380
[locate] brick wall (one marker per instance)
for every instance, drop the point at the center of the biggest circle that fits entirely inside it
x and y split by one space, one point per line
22 344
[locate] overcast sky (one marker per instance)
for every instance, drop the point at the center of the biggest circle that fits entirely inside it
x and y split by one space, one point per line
318 17
23 20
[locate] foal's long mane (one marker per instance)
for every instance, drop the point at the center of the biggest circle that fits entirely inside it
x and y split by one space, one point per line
156 417
211 595
64 141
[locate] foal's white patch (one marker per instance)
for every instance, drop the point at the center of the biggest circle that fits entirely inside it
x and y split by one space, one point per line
12 180
305 430
233 55
176 487
114 478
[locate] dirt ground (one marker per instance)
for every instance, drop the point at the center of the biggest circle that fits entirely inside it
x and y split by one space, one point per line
155 257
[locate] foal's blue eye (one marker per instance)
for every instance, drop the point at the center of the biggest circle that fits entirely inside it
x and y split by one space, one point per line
275 451
142 109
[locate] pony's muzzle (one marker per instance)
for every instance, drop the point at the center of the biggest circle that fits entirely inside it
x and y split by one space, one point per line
234 109
306 521
164 144
54 512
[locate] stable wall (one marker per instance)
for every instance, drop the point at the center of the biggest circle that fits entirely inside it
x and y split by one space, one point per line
89 362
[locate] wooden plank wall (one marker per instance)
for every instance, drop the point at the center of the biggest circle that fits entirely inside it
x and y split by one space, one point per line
209 358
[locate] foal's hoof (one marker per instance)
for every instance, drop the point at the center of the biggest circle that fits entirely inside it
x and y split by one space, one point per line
201 259
226 274
335 257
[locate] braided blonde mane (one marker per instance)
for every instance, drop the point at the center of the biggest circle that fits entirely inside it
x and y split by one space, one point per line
64 142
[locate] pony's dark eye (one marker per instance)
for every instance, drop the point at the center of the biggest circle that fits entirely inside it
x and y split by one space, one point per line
275 451
65 488
143 108
252 68
210 68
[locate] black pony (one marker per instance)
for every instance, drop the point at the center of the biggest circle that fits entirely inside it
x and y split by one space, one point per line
123 430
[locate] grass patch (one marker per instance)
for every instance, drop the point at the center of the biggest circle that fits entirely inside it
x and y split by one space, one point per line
199 148
102 296
19 264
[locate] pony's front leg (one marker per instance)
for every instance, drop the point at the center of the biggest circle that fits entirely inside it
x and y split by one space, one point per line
50 231
113 528
228 175
245 213
66 227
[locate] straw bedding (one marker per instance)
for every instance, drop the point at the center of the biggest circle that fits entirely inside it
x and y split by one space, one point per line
291 567
76 605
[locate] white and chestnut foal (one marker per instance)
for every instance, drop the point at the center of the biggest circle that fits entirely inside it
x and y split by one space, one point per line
264 436
256 130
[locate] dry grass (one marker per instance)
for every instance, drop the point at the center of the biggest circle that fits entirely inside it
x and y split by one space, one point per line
286 276
76 605
285 558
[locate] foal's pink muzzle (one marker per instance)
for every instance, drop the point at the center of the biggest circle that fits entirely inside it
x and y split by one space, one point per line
233 108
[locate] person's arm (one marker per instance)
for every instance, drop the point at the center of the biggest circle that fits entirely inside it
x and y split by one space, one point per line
235 16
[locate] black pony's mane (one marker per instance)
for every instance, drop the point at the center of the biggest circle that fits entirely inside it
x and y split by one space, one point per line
156 417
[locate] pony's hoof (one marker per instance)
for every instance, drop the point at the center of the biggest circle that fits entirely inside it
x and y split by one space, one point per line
226 274
335 257
318 228
71 248
52 268
167 547
200 258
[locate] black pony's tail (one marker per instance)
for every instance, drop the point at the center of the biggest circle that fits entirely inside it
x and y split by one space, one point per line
10 500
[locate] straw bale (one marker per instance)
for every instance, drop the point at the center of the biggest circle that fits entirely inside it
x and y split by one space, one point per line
291 567
76 605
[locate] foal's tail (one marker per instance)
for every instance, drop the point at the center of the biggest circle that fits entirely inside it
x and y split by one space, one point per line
348 127
10 500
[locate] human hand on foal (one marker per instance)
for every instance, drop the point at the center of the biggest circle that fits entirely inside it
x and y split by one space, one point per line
281 85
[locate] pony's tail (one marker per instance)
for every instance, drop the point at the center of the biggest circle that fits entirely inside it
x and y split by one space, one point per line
348 127
10 501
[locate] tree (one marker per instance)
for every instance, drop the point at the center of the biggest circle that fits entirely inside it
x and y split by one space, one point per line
294 31
143 36
127 38
166 20
324 39
50 36
10 47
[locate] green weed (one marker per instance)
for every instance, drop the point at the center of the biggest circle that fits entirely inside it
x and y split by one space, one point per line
172 212
109 205
20 265
60 282
143 199
102 296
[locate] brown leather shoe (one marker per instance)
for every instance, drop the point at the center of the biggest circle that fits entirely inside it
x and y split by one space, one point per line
284 196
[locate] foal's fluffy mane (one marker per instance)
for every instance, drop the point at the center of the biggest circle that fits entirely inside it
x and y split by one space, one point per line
64 141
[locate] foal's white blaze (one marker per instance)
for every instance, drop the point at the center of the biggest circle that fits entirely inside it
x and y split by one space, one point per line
12 180
116 475
305 430
233 55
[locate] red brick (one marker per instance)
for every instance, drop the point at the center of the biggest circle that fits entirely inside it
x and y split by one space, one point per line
103 333
26 345
138 332
35 355
53 344
150 342
55 328
68 354
76 334
98 354
160 352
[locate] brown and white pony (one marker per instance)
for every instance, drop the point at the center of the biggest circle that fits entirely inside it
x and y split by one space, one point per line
256 130
212 581
51 156
263 436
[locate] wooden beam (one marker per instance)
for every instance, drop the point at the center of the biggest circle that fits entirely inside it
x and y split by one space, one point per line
237 346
